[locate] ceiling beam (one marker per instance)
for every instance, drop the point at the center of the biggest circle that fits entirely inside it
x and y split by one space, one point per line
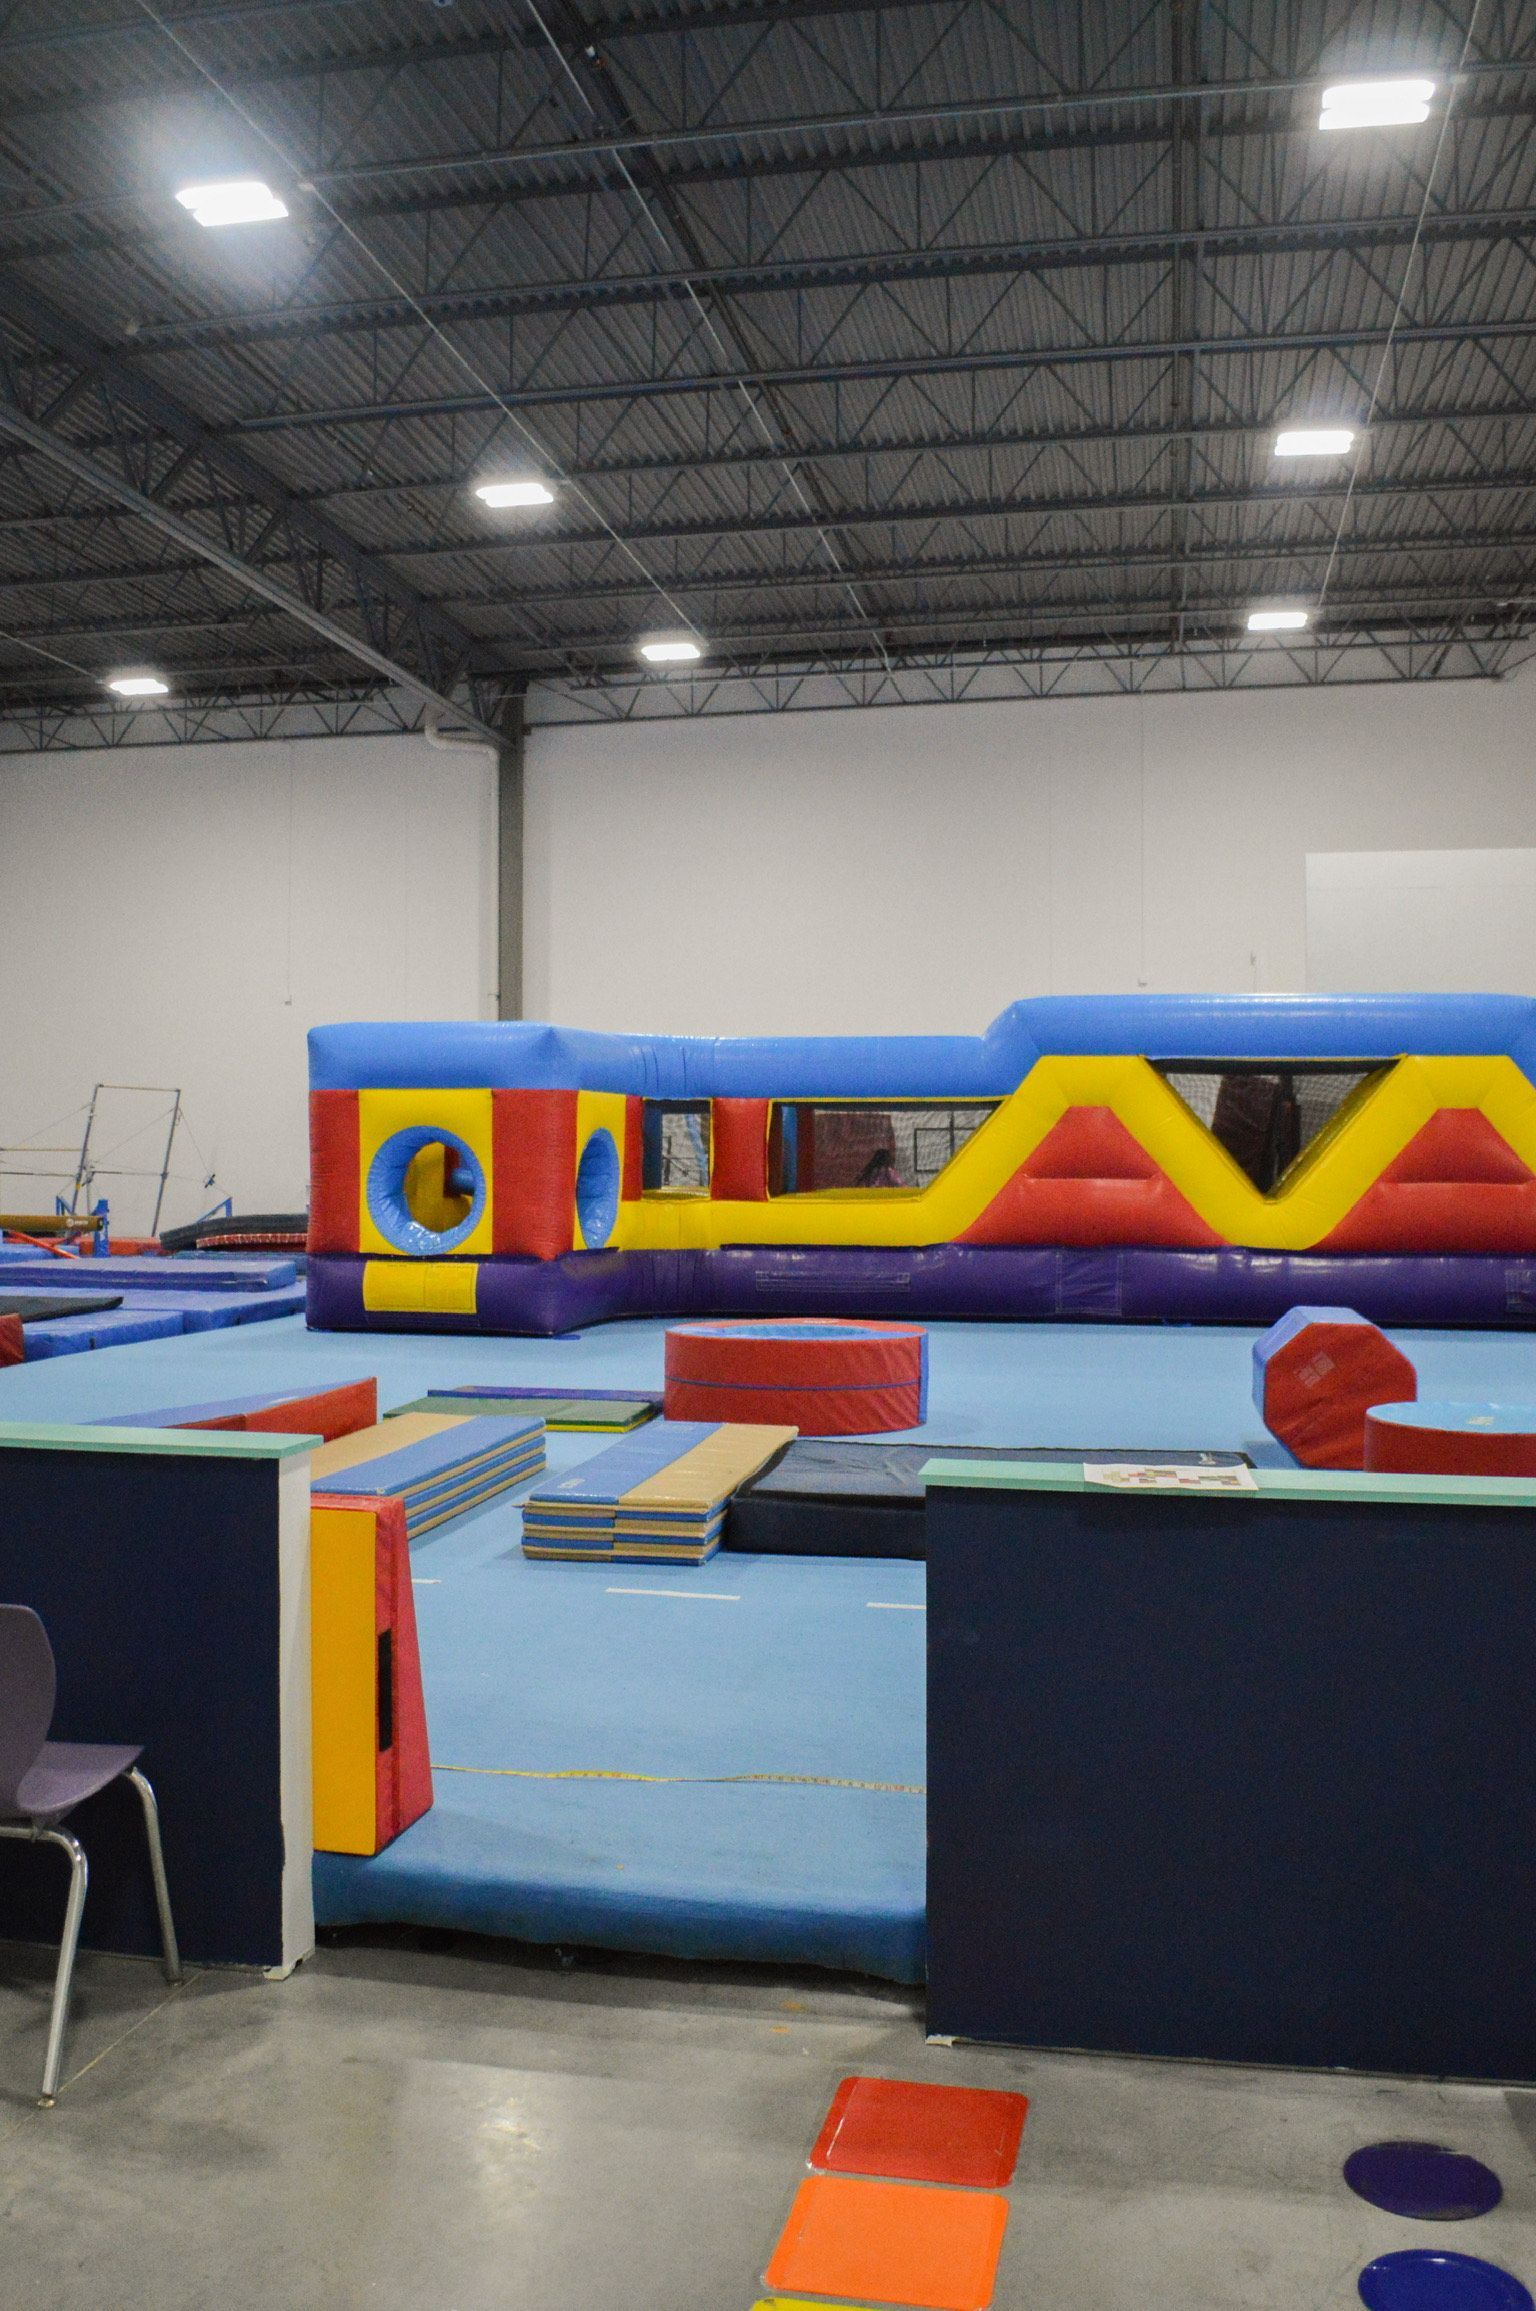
407 639
875 370
791 521
793 275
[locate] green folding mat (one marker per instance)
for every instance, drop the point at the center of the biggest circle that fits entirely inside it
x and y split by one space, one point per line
594 1412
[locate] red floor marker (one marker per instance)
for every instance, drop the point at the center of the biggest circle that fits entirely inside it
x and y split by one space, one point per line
922 2134
891 2243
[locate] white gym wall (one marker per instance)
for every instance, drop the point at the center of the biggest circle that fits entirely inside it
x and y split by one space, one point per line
183 915
886 871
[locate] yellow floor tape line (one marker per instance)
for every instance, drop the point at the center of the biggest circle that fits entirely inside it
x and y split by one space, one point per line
602 1773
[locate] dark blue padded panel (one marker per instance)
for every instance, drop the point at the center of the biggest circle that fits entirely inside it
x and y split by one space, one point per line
1248 1780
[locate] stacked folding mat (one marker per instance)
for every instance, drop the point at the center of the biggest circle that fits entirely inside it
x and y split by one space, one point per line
660 1494
438 1465
613 1409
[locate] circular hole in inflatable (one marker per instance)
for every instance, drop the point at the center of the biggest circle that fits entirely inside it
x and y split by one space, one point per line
598 1179
426 1190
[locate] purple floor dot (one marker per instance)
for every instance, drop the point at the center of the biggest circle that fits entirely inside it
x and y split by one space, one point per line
1424 2180
1430 2279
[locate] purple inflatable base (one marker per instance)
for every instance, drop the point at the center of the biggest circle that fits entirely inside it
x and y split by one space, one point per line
965 1281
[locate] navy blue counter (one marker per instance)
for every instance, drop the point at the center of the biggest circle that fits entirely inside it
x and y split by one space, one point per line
1250 1777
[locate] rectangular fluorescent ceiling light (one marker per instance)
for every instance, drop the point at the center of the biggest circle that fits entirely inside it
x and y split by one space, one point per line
678 653
139 686
244 201
1315 441
1376 103
1277 621
515 493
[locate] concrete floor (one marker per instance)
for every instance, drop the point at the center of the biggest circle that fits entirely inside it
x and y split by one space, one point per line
469 2128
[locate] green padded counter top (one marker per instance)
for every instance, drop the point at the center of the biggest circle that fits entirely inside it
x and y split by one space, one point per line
1290 1484
207 1443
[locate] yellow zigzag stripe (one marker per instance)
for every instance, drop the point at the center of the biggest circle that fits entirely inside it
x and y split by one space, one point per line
1335 1173
601 1773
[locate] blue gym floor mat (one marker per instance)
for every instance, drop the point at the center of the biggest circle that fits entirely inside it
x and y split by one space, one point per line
815 1672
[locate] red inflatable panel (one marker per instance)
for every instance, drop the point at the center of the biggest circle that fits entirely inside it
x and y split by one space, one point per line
1317 1372
1458 1186
405 1766
333 1171
739 1151
533 1134
634 1150
1451 1439
13 1347
1090 1181
826 1377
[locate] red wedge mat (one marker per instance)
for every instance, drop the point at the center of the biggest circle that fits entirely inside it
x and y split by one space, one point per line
922 2134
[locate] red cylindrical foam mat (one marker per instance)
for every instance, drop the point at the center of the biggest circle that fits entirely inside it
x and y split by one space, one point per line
1448 1440
826 1378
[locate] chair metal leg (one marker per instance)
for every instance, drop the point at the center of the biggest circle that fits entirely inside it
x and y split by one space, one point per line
170 1955
63 1981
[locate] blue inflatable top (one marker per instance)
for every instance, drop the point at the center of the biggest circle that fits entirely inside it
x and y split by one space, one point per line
516 1054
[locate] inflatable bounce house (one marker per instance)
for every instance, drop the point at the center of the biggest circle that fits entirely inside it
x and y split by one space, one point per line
1189 1158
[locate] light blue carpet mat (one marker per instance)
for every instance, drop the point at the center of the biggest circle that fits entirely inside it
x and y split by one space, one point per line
770 1708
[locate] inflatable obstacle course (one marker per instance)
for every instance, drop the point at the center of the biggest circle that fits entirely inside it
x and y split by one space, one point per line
1131 1158
1316 1375
372 1771
832 1378
661 1494
601 1410
437 1466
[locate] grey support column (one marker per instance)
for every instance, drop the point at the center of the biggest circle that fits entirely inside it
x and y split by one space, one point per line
509 863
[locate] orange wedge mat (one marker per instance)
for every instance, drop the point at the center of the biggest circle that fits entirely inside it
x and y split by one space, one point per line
922 2134
891 2243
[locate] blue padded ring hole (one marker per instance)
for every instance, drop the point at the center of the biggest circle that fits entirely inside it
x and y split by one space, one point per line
426 1191
599 1176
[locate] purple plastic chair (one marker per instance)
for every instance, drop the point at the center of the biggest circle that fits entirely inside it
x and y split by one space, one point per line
41 1783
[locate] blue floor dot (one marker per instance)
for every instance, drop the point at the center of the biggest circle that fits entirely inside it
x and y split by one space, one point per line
1424 2180
1428 2279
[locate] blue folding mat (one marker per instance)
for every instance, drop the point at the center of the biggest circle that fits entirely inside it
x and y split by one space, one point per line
576 1514
111 1274
442 1476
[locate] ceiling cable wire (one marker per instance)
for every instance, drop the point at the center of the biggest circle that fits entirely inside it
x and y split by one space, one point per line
771 437
1402 298
550 464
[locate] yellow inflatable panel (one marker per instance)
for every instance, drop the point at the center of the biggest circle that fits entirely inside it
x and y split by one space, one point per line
422 1287
466 1114
344 1677
1327 1182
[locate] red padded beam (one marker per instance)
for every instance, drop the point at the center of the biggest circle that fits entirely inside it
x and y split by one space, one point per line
333 1171
634 1150
533 1134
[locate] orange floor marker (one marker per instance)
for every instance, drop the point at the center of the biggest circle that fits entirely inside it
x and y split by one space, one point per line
891 2243
921 2133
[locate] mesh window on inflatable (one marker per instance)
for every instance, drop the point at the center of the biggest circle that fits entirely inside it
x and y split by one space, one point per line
1266 1117
675 1140
817 1144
